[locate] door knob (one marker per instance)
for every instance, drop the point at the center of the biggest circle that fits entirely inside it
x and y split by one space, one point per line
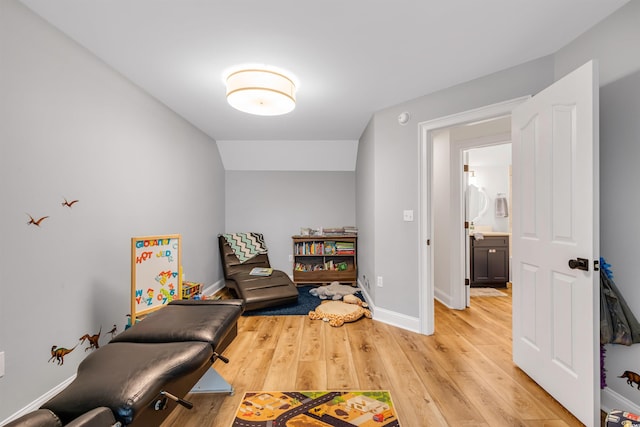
579 264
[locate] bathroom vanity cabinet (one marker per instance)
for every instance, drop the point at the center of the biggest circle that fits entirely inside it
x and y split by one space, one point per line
489 261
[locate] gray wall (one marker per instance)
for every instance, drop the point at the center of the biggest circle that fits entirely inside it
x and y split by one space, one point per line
397 172
278 204
615 44
71 127
365 209
442 195
619 208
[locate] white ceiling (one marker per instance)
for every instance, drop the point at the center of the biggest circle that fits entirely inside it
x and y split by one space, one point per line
352 57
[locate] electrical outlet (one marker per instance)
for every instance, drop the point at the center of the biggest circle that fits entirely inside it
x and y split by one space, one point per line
379 281
407 215
1 364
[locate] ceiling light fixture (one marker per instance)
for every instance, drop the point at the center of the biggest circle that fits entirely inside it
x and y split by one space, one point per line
261 91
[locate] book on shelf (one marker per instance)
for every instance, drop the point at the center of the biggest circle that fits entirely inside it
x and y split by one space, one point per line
333 231
340 231
345 248
309 248
351 230
329 248
261 271
308 267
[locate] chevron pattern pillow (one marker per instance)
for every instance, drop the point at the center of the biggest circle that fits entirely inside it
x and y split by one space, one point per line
246 245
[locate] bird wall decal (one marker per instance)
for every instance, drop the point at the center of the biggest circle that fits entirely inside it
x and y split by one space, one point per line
36 222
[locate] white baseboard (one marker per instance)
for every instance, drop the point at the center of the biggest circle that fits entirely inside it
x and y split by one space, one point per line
390 317
213 288
36 404
443 298
397 319
610 400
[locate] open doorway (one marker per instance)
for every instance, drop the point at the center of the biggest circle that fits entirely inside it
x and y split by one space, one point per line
473 196
442 203
471 163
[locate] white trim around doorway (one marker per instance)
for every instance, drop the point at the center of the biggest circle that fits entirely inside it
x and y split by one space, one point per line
426 129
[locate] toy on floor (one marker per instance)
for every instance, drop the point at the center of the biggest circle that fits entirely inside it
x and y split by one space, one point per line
352 299
338 312
334 291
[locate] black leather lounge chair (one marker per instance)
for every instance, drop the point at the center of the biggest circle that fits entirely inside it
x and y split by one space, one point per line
256 291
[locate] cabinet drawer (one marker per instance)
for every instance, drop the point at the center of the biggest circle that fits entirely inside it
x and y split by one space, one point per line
491 241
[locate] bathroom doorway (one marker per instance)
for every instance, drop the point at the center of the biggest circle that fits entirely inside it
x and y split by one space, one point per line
451 146
486 192
441 271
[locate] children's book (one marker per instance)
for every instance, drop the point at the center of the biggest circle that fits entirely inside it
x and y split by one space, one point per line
261 271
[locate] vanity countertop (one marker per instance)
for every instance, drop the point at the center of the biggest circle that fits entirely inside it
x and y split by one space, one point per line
494 233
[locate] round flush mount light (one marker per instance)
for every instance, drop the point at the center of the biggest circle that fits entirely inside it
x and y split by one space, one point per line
260 90
403 118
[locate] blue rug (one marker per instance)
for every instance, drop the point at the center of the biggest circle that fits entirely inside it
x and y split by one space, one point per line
306 303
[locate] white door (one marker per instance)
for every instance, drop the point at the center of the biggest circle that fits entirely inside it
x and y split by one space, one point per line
555 211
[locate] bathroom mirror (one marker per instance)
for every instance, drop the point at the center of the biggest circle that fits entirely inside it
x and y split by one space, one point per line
477 203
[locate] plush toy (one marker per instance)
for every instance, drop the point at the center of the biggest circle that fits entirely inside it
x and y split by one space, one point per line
334 291
352 299
336 313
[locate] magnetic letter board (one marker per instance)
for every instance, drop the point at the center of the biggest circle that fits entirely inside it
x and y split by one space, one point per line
156 278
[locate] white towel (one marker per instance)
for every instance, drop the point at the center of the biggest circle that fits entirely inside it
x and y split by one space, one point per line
502 209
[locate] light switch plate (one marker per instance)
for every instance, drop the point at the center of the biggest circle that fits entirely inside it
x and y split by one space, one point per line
1 364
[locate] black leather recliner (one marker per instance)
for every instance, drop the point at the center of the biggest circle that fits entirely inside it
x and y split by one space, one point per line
256 291
144 372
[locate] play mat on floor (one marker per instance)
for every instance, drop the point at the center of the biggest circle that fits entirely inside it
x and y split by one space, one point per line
317 409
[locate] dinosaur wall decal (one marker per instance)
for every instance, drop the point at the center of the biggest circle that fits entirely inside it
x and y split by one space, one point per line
93 340
34 221
69 204
632 378
58 353
113 331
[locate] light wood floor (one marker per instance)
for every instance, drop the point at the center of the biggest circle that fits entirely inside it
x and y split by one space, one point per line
460 376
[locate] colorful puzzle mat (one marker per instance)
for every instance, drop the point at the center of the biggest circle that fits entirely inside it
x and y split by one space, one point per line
316 409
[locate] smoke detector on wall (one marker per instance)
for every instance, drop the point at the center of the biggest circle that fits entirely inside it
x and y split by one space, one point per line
403 118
